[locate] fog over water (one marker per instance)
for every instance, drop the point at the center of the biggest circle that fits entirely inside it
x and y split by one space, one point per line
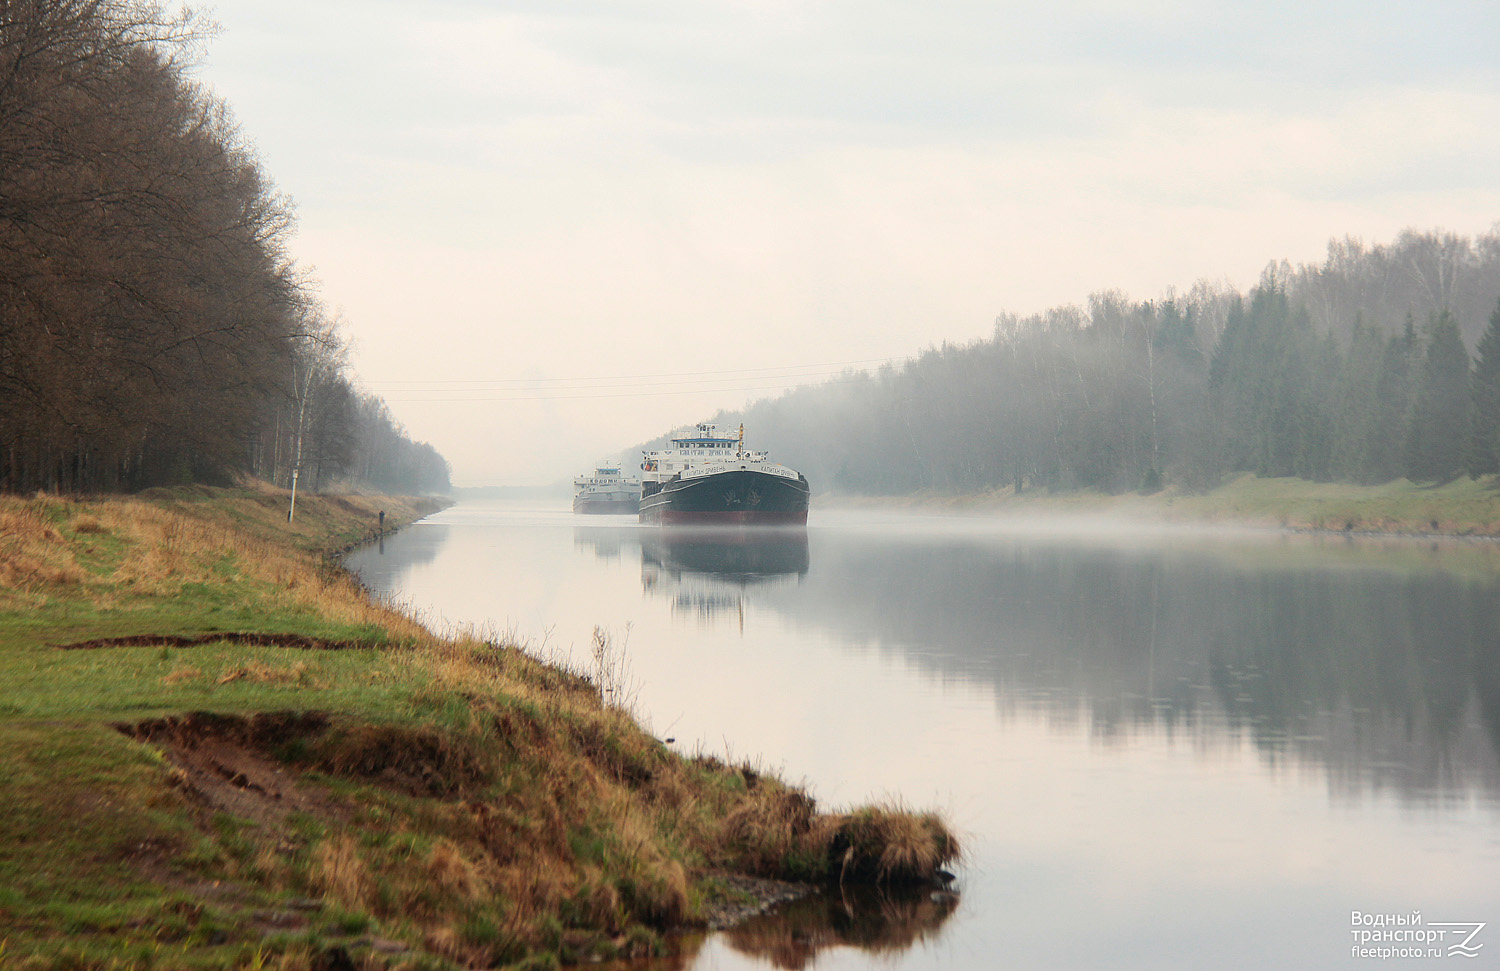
1165 748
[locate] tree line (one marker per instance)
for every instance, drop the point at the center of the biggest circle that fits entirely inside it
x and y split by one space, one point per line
1381 362
153 328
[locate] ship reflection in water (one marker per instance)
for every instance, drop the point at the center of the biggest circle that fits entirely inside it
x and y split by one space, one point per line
710 571
707 570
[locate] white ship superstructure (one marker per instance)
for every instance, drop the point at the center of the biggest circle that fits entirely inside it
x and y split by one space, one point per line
607 490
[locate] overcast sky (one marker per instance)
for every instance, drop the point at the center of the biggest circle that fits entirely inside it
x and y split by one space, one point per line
557 228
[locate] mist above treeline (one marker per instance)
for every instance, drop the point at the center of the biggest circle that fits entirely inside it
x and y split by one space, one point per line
1379 363
153 329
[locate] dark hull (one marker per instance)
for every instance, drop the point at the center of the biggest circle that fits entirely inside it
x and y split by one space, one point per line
739 497
589 506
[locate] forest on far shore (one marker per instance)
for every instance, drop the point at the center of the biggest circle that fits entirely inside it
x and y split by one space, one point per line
153 328
1379 363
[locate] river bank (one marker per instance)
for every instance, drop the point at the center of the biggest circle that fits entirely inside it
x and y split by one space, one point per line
1463 507
255 765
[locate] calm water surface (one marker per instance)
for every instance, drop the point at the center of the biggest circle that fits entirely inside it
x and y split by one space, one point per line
1165 748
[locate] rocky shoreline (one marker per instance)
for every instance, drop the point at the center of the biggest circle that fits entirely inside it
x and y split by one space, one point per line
757 895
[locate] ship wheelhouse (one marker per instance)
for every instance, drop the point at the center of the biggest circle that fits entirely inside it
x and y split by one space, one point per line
690 452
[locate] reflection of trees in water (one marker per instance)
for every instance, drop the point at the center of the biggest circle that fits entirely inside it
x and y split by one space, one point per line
873 921
411 547
1386 679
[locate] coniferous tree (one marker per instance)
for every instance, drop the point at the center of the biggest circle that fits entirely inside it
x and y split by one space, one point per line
1357 428
1396 397
1437 437
1266 378
1484 409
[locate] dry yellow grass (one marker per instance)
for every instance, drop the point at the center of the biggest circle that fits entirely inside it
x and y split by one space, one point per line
453 872
340 873
86 525
297 673
33 553
181 673
889 844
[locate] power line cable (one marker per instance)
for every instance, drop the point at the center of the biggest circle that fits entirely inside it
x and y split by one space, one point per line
705 384
480 395
790 369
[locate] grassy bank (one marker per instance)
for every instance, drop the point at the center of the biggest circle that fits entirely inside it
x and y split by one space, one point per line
1463 507
217 752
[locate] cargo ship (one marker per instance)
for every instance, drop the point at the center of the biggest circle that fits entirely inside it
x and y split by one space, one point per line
608 490
708 479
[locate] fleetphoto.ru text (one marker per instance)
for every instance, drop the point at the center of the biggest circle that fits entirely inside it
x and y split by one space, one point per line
1386 936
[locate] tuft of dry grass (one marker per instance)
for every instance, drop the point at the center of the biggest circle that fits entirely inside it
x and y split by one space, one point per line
453 872
889 845
660 896
297 673
770 825
339 873
87 525
596 900
181 673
